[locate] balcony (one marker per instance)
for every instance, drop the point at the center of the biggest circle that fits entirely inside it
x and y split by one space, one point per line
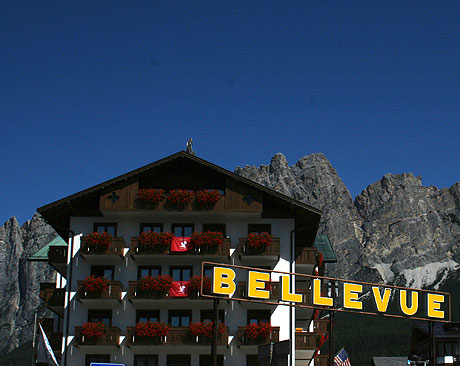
110 296
115 251
306 341
176 336
139 297
57 257
110 338
321 326
243 340
137 252
247 254
54 338
305 259
53 297
322 360
273 287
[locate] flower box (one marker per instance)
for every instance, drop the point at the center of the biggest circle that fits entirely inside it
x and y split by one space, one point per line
204 330
180 197
258 241
207 197
152 330
99 241
92 331
95 285
154 287
150 197
195 286
207 242
258 332
150 241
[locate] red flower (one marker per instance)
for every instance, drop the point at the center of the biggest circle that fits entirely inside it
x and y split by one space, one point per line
207 196
207 239
93 330
257 331
99 240
160 284
95 284
180 196
153 196
195 284
319 259
204 329
151 329
151 239
262 240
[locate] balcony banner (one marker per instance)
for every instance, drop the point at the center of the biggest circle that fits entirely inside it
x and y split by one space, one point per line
181 244
179 289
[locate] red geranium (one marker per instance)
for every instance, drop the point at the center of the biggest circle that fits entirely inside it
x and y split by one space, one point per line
151 329
93 330
257 331
207 239
151 239
195 284
99 240
95 284
207 196
160 284
204 329
149 195
180 196
260 241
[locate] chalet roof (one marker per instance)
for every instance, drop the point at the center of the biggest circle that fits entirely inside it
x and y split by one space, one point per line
324 246
58 213
42 254
389 361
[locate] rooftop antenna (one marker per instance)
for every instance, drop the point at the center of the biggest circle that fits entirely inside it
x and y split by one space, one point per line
189 146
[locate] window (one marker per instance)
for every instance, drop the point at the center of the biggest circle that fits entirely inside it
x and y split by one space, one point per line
145 316
205 360
146 360
182 230
208 316
258 316
259 228
157 228
180 273
104 316
178 360
207 271
96 358
151 271
180 318
102 271
252 360
215 227
108 228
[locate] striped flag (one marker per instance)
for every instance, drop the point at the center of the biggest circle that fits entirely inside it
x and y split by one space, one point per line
45 353
342 359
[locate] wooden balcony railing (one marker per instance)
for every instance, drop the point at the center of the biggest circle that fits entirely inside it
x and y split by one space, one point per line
305 256
272 250
321 326
112 293
52 296
243 340
306 340
115 248
135 293
221 250
322 360
273 287
176 336
111 337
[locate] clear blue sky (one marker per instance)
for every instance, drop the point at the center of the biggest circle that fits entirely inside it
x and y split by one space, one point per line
91 90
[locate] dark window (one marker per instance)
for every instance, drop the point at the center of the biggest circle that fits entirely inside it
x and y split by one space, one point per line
215 227
182 230
208 271
180 273
146 360
252 360
259 228
147 316
97 315
104 227
158 228
102 271
258 316
152 271
205 360
180 318
208 316
178 360
96 358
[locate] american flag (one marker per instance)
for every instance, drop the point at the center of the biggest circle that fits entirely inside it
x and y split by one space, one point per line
342 359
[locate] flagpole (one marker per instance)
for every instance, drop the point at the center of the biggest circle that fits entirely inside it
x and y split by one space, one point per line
33 339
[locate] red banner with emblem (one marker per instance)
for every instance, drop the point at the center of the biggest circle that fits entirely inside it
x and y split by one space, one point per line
179 289
181 244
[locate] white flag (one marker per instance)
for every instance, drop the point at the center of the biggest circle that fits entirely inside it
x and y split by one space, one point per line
45 353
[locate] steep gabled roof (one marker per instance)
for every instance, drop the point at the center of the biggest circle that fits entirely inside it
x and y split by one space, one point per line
58 213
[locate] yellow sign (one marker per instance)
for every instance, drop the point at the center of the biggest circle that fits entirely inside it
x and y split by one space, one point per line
279 288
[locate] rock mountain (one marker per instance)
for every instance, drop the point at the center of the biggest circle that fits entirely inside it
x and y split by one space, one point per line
395 231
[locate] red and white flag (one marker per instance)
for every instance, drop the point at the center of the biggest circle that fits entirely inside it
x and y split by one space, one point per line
181 244
179 289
